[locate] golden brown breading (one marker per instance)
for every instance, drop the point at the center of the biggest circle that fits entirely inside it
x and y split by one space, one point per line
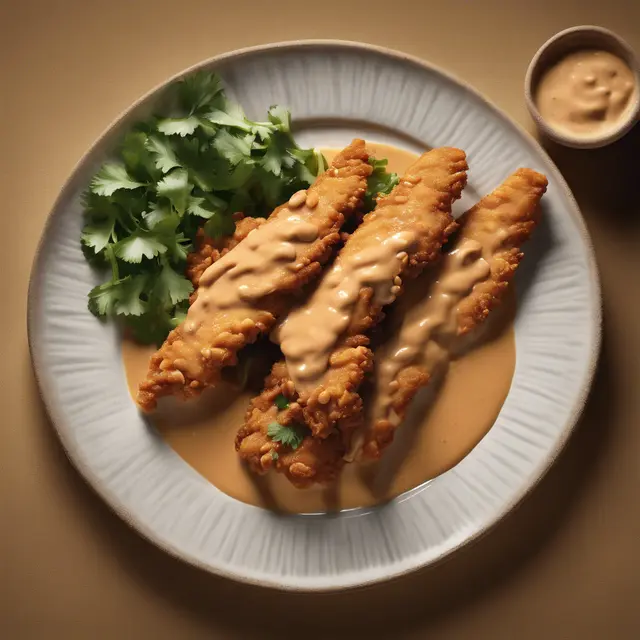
208 250
314 461
513 209
421 204
194 353
501 222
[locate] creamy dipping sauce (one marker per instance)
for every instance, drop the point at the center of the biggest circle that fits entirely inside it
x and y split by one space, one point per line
438 433
586 92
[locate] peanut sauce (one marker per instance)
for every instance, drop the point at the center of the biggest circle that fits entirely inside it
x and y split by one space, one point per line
438 433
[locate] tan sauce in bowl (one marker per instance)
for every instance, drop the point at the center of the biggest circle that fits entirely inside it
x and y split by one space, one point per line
586 93
443 432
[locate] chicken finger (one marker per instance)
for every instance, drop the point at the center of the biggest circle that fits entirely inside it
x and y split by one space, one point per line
472 280
242 294
325 345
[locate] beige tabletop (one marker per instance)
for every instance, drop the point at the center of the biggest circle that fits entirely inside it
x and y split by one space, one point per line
566 564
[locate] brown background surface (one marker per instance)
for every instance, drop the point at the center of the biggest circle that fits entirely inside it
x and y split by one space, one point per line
566 564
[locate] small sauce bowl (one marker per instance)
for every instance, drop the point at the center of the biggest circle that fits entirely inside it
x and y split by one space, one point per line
573 39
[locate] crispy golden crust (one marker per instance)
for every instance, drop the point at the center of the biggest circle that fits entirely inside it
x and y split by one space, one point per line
208 250
421 202
185 370
509 214
512 208
437 178
314 461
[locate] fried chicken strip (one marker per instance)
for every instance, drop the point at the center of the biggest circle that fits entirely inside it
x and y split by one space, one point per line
325 342
208 250
472 280
242 293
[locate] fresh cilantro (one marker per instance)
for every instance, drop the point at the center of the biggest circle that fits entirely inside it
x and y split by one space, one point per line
162 152
176 187
234 148
98 234
104 297
171 287
272 159
281 402
198 90
112 177
280 117
139 245
379 182
129 301
274 455
179 126
219 225
289 435
232 116
200 207
157 215
196 161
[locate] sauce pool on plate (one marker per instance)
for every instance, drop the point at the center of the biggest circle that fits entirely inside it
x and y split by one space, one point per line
586 92
439 432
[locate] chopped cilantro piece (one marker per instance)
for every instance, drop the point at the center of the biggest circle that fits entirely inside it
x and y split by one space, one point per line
289 435
281 402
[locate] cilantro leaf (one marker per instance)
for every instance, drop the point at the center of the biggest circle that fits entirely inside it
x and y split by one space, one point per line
226 177
130 290
288 435
176 187
281 117
196 160
262 129
136 156
156 215
379 182
203 208
104 297
140 244
178 126
219 225
171 287
110 178
272 160
98 234
163 153
232 116
198 90
178 245
274 455
281 402
233 148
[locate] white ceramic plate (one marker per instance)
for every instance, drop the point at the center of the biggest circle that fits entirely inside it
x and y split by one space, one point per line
335 91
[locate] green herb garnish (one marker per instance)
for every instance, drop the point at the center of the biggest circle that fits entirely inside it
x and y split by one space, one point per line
379 182
289 435
274 455
196 162
281 402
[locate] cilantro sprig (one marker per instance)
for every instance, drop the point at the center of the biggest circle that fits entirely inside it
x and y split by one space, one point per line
380 182
281 402
194 163
290 435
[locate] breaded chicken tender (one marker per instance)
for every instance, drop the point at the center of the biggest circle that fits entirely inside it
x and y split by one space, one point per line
242 293
495 228
315 460
208 250
325 342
